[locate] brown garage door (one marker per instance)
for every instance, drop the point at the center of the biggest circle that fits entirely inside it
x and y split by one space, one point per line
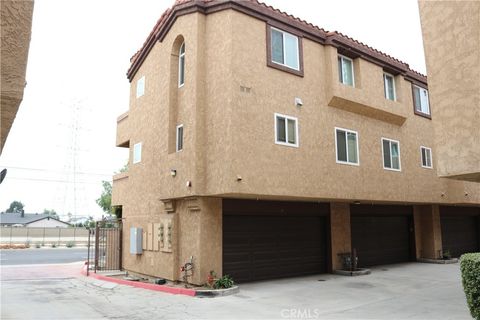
266 240
381 234
460 230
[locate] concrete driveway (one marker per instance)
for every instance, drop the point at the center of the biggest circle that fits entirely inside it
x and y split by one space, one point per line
404 291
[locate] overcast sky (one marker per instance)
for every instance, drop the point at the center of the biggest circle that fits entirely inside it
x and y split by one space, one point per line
76 87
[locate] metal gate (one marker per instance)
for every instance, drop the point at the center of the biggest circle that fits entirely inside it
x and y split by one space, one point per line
108 245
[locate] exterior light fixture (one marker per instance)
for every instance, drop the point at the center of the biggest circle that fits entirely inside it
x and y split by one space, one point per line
173 172
298 102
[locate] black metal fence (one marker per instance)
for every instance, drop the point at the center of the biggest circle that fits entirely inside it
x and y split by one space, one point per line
108 245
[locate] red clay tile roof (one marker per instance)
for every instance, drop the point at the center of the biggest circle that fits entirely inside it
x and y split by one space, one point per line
330 37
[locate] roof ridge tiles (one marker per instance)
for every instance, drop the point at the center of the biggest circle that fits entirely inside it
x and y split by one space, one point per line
369 47
329 34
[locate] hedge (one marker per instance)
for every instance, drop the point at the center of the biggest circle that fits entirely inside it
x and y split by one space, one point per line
470 267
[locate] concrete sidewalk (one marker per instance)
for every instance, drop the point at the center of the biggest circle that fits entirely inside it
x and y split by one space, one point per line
405 291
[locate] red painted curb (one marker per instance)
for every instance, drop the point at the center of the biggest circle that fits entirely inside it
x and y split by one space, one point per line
142 285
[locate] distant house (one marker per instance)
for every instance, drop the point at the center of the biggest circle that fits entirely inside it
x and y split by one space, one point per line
30 220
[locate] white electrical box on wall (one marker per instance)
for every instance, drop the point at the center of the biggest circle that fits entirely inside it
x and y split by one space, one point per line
136 240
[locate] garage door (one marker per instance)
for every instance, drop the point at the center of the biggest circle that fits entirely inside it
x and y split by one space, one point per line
460 230
266 240
381 234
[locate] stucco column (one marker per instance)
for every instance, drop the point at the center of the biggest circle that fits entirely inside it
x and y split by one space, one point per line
211 237
340 232
428 233
199 230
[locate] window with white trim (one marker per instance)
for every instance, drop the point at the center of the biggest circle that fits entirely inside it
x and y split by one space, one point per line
179 139
391 154
389 86
284 48
286 130
345 71
420 100
137 152
346 142
140 87
181 65
426 154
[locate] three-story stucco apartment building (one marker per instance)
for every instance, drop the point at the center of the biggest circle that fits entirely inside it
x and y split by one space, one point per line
262 146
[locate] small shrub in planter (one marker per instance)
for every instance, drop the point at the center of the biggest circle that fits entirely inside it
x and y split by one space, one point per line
447 255
27 244
70 244
37 245
54 245
470 267
224 282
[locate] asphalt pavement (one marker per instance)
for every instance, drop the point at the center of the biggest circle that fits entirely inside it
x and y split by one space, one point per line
42 256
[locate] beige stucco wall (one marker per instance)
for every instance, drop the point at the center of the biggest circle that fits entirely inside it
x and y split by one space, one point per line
428 233
451 36
229 132
196 236
340 235
310 171
16 28
140 190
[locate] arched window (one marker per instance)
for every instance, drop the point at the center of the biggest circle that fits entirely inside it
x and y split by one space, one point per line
181 66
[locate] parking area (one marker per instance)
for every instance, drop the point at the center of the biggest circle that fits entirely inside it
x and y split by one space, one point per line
402 291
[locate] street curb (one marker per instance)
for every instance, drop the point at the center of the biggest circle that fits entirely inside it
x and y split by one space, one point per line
438 261
217 292
142 285
359 272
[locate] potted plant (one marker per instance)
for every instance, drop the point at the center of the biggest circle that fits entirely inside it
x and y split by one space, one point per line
446 255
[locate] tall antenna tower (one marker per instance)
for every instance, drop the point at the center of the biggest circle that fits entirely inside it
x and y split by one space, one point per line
73 191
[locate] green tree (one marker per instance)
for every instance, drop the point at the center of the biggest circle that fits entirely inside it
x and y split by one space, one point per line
105 200
90 223
124 168
52 213
15 207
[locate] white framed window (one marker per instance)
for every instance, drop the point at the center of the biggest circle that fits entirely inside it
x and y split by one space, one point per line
420 100
181 66
284 48
389 86
345 71
346 145
137 152
140 87
286 130
426 155
391 154
179 139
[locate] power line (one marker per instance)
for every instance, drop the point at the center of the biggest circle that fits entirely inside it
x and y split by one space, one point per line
51 180
58 171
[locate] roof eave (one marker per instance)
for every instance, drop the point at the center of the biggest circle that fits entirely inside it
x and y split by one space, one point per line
273 16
